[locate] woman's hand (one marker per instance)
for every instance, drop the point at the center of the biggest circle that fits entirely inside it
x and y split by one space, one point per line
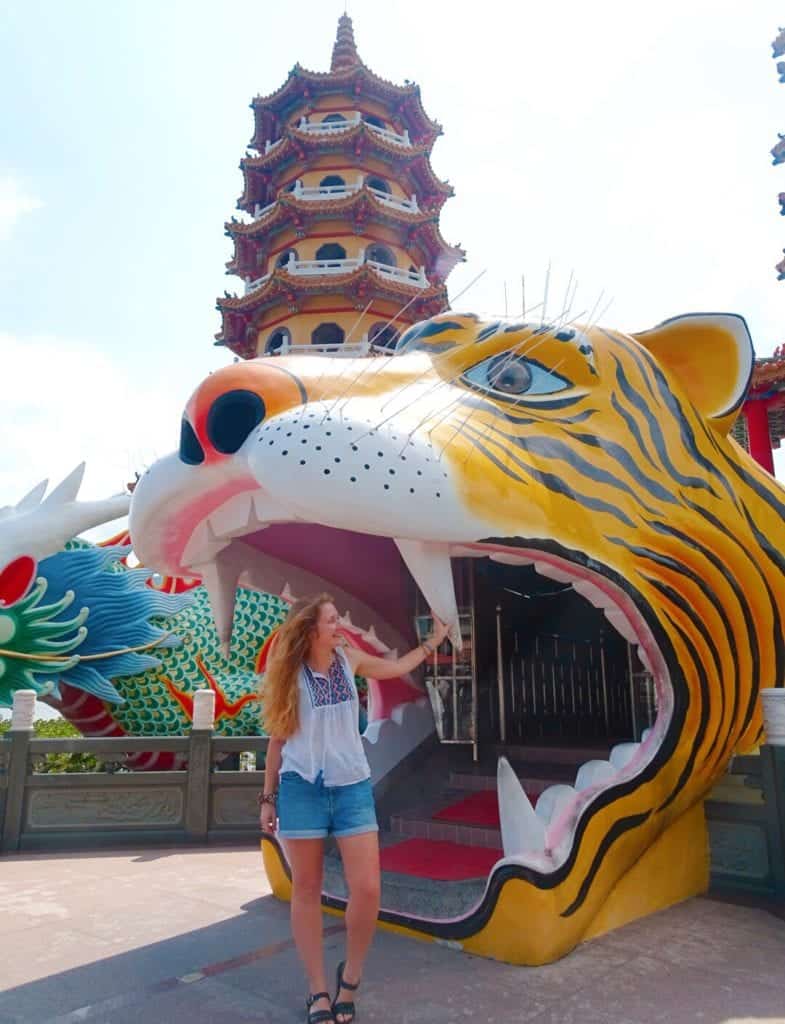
267 818
440 630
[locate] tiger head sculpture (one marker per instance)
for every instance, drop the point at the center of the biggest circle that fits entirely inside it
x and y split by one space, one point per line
601 457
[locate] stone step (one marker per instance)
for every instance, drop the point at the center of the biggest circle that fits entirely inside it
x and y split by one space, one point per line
408 894
420 826
533 782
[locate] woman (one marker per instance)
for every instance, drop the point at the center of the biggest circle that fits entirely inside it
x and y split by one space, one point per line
318 780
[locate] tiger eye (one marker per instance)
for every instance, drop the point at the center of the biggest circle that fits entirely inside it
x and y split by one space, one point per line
513 377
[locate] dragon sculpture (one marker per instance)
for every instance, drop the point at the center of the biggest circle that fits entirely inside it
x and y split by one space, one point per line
65 601
601 458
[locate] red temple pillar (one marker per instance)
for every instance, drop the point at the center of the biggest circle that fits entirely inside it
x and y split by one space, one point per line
757 416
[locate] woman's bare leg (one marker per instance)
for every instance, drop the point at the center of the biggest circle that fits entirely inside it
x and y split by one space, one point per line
360 855
306 859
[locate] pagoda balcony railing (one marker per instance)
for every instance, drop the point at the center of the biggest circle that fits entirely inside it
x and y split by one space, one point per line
334 127
344 266
415 278
318 192
343 349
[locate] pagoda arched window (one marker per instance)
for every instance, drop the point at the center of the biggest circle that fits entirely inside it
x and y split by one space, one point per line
375 121
332 181
333 119
278 342
331 252
327 334
283 257
381 254
379 184
383 336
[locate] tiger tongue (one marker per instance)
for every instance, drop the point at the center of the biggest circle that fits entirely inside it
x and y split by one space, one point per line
429 564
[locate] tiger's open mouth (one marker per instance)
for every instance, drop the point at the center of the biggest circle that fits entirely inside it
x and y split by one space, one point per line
369 576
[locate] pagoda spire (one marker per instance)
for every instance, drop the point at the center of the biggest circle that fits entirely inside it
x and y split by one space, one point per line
344 49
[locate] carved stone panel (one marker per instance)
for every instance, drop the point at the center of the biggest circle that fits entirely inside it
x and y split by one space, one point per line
96 808
738 849
235 805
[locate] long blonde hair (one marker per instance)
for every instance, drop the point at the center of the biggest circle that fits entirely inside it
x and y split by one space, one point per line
288 651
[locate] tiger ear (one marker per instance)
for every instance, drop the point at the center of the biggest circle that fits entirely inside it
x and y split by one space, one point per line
712 356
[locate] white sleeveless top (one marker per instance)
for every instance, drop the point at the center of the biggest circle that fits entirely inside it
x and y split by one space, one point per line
328 738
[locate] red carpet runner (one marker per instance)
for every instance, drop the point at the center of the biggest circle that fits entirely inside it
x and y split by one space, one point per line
441 861
480 809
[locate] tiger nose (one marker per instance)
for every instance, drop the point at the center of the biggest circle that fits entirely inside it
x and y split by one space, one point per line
230 420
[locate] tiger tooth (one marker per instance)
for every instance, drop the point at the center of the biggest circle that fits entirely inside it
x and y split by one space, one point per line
592 594
522 831
287 594
551 571
232 518
202 547
620 623
429 563
506 558
220 577
622 754
644 659
592 773
553 800
347 619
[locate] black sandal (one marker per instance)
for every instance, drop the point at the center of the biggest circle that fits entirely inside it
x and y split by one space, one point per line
344 1009
318 1016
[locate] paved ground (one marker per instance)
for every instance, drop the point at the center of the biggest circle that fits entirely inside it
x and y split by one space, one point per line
164 936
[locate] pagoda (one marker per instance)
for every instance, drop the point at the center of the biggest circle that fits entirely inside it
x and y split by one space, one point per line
340 248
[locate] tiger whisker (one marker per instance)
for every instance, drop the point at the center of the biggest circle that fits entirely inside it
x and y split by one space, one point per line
370 363
390 323
346 340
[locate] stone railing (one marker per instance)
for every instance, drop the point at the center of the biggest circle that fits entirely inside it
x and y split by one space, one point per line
195 804
745 815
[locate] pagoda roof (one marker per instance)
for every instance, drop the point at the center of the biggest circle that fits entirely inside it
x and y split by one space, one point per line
288 208
422 226
768 374
281 284
349 74
295 142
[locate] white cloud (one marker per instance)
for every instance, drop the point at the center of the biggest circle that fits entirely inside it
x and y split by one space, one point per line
14 203
64 402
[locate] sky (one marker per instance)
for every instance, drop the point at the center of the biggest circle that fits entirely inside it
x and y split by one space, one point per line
630 152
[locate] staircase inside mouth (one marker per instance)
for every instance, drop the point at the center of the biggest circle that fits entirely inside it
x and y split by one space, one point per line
440 830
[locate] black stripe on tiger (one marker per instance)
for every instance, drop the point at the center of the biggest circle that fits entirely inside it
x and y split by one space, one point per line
634 429
722 569
703 682
682 570
622 456
655 432
551 481
640 355
615 832
475 402
551 448
778 640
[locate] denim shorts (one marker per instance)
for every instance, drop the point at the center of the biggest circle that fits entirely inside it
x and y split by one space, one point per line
311 810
